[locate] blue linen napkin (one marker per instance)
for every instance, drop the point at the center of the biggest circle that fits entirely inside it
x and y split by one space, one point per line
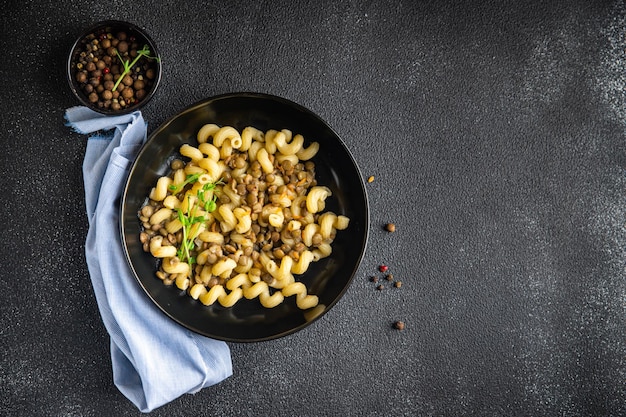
154 359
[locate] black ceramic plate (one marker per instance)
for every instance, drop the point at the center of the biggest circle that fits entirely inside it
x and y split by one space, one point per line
335 167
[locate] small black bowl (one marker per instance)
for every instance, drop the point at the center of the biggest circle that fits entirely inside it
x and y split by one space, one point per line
114 27
329 279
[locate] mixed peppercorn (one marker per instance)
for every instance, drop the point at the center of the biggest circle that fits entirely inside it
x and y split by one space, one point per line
384 269
114 70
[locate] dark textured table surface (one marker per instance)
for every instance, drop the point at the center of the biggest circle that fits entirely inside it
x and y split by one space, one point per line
495 132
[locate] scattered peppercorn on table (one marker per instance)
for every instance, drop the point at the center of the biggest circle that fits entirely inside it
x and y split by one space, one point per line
491 143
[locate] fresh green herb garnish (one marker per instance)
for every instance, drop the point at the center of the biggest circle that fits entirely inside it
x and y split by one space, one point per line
208 201
191 178
145 52
187 244
207 196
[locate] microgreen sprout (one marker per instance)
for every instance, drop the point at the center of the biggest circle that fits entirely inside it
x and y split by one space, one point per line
208 201
187 244
144 52
190 179
207 196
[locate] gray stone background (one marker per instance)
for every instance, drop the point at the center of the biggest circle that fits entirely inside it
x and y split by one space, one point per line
495 131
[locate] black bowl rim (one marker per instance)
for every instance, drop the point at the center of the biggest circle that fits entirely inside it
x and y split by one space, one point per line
153 49
266 96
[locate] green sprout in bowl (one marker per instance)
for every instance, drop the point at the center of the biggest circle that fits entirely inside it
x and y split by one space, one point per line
128 65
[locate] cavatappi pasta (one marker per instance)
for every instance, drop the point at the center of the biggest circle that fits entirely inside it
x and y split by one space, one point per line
240 217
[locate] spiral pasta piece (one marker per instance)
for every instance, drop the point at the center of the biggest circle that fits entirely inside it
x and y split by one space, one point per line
322 251
244 221
210 151
159 192
160 216
262 156
197 290
262 291
217 293
304 301
288 148
182 282
172 265
227 133
238 281
229 221
270 144
212 167
223 267
206 131
327 224
305 154
211 237
300 267
250 134
158 250
316 197
171 202
191 152
173 226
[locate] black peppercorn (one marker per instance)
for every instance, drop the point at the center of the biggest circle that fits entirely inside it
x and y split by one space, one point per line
399 325
122 47
127 93
81 77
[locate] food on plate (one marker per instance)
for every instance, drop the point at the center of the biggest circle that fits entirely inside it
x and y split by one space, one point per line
240 216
